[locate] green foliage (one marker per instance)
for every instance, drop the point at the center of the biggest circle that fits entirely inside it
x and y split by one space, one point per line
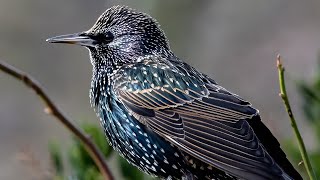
56 160
128 172
310 93
83 167
81 164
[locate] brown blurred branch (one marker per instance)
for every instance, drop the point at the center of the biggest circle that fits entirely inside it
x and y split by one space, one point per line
52 109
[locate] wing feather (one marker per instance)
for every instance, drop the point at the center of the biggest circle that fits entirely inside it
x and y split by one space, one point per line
198 116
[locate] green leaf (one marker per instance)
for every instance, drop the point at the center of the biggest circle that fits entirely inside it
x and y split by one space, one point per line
128 171
98 137
56 157
92 173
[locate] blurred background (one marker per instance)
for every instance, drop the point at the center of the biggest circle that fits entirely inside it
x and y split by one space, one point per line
235 42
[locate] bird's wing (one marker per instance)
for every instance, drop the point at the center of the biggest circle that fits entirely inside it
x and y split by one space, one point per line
201 118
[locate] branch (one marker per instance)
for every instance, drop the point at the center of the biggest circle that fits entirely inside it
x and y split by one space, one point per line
284 96
52 109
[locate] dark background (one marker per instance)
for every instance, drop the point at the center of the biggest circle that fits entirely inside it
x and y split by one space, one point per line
235 42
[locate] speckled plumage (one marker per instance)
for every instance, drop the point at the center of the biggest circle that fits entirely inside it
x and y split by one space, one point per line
164 116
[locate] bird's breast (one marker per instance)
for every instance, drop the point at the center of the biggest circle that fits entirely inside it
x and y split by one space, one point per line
136 142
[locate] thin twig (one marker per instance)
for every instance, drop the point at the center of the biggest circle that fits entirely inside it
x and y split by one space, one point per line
284 96
52 109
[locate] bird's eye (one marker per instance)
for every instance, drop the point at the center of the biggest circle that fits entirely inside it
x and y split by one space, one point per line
102 37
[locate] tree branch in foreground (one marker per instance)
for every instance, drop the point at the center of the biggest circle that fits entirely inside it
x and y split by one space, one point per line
52 109
284 96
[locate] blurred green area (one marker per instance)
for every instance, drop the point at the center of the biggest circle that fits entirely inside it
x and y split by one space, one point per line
82 167
310 94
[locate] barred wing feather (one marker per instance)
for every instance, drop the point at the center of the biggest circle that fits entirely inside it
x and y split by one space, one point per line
198 116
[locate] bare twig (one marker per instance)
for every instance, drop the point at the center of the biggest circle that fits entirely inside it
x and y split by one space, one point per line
52 109
284 96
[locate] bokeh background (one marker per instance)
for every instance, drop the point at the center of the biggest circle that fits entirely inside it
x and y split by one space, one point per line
235 42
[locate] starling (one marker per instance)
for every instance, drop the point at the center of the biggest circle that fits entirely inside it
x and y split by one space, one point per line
164 116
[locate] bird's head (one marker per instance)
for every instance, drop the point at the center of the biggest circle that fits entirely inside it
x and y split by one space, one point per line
120 35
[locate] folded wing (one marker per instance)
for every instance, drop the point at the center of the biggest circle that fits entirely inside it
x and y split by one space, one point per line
198 116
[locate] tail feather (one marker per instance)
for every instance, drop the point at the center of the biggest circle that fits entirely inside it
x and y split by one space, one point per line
272 145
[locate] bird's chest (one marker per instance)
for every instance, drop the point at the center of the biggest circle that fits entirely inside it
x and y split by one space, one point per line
136 142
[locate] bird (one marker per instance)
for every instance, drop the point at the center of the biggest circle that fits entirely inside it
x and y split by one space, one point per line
164 116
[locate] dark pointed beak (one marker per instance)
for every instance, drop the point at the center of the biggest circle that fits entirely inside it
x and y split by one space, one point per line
77 38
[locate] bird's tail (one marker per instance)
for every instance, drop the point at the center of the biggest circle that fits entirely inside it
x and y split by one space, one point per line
272 145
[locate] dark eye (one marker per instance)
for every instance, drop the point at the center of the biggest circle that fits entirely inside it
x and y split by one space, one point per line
102 37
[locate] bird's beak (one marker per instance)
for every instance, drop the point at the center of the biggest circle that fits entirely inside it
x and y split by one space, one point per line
77 38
